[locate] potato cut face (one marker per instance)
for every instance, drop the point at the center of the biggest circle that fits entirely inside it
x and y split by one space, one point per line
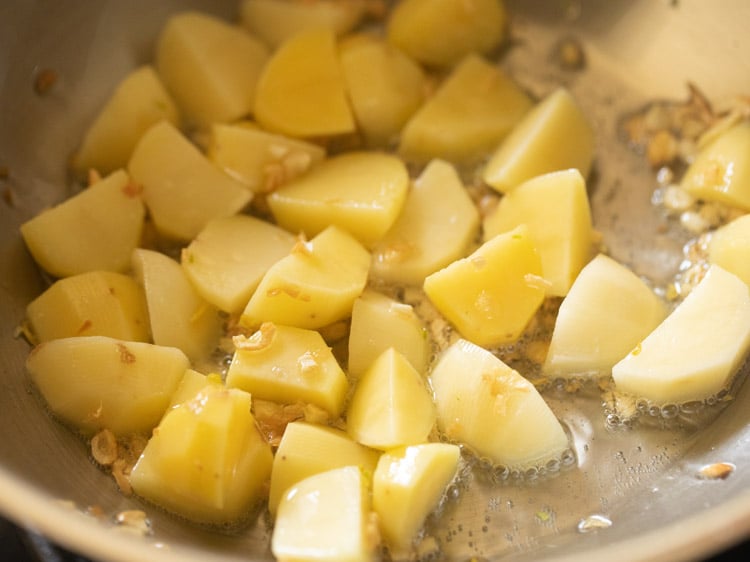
229 257
490 295
721 171
471 112
380 322
314 286
408 484
96 382
138 102
206 461
191 383
729 247
437 225
608 310
97 303
695 351
555 208
301 92
360 192
493 409
308 449
96 229
182 189
210 66
441 32
178 315
554 135
287 365
325 518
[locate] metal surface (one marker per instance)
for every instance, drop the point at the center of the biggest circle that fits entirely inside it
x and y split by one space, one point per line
644 480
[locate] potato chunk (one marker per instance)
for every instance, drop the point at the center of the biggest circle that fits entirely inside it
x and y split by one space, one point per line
287 365
471 112
206 461
312 287
210 66
729 247
182 189
437 225
301 92
138 102
441 32
96 382
697 349
97 303
608 310
493 409
96 229
361 192
491 295
555 208
554 135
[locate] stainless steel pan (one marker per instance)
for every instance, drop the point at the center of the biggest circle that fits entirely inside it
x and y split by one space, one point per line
645 481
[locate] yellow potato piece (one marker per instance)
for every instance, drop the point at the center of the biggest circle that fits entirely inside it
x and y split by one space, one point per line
139 101
555 208
495 411
191 384
206 461
729 247
210 66
301 92
385 87
315 285
97 382
97 303
471 112
361 192
441 32
491 295
721 171
288 365
437 225
554 135
182 189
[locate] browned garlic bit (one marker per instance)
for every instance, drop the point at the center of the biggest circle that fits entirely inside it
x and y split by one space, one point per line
104 447
261 339
716 471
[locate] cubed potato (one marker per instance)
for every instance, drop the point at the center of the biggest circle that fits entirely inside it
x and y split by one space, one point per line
301 92
491 295
178 315
391 405
314 286
182 189
495 411
211 67
308 449
437 225
380 322
97 382
275 21
729 247
721 171
325 518
471 112
555 208
608 310
361 192
139 101
288 365
408 484
97 303
441 32
206 461
260 160
385 87
191 383
229 257
696 351
554 135
96 229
